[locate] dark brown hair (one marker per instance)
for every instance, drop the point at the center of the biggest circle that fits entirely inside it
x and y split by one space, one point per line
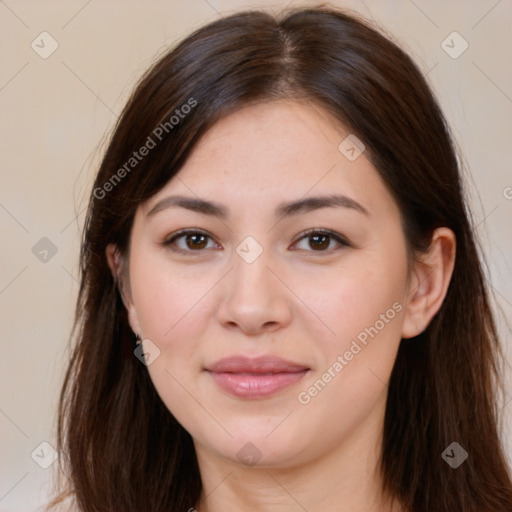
121 449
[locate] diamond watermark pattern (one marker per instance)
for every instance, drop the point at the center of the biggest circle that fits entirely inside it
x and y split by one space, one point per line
454 455
44 455
44 45
44 250
249 249
249 454
454 45
351 147
147 352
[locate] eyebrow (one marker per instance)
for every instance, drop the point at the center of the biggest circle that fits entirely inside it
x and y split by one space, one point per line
283 210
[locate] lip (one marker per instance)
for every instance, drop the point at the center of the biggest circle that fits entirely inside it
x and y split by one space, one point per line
258 377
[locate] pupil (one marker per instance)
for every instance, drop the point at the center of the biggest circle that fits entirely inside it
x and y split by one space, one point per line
323 244
194 243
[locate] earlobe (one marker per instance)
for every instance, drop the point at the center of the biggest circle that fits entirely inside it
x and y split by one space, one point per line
117 264
431 275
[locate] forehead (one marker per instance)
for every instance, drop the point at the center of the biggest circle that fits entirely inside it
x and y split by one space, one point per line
272 152
279 138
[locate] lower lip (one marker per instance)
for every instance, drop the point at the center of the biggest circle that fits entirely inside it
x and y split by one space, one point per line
253 385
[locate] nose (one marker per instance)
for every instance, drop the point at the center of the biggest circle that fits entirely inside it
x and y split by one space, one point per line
254 300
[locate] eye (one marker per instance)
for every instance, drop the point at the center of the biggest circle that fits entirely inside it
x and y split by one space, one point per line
321 240
191 241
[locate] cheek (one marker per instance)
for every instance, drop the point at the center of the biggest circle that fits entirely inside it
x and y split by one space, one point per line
355 365
363 304
166 296
171 311
364 293
173 306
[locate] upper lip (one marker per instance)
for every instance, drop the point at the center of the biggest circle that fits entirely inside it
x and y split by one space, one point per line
262 364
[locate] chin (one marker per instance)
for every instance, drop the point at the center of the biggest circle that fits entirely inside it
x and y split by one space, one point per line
259 446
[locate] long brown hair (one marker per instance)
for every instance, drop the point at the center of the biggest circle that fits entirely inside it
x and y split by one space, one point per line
121 449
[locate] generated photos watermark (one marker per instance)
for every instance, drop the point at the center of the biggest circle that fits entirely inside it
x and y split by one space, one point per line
305 397
157 136
454 455
147 352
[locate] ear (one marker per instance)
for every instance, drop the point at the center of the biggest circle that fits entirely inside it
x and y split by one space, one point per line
119 268
431 275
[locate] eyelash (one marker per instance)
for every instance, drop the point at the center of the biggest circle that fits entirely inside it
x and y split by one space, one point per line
342 241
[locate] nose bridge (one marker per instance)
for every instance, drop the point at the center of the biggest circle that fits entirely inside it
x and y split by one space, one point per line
250 260
253 297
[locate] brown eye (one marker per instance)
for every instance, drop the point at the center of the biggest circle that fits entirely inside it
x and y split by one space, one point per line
321 241
196 241
189 241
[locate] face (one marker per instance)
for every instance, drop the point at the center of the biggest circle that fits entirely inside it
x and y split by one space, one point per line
279 312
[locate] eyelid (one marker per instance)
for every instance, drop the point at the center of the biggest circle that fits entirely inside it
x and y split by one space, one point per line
340 239
167 242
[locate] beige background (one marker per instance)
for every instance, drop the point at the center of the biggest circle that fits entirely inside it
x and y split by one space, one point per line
56 111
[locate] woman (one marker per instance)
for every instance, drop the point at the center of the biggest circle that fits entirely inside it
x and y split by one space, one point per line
281 303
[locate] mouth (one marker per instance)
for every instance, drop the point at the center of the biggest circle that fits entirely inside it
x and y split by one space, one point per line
255 377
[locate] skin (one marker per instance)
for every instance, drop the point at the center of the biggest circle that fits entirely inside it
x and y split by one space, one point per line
296 300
